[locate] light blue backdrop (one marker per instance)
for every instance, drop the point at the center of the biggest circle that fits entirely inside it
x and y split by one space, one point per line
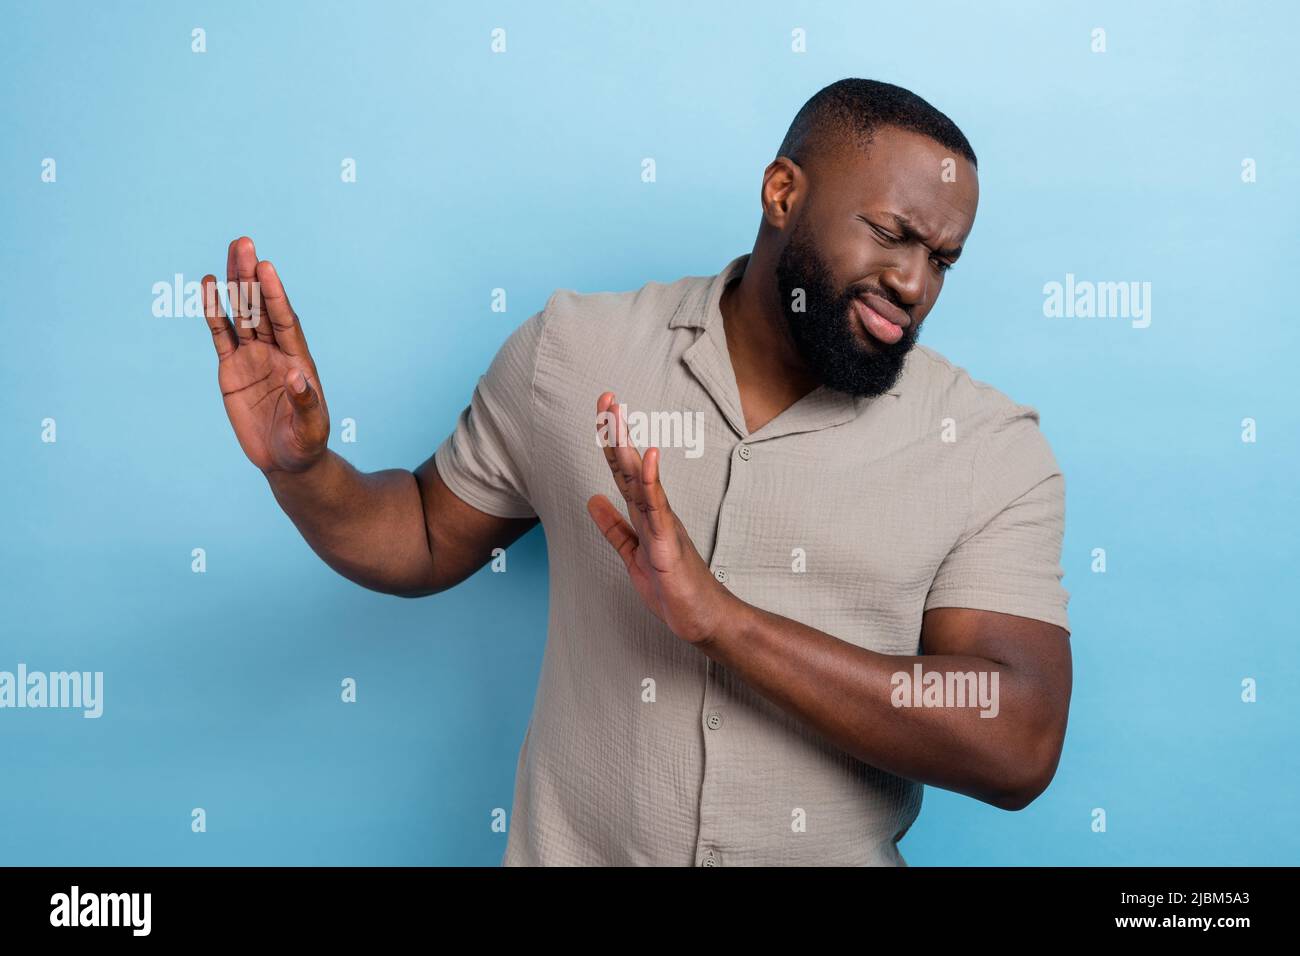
522 170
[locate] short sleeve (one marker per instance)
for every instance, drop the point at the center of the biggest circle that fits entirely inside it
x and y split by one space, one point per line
486 459
1008 558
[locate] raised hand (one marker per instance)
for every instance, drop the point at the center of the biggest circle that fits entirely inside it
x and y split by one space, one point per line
267 377
661 560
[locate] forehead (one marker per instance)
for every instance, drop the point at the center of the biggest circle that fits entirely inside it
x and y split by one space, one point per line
904 173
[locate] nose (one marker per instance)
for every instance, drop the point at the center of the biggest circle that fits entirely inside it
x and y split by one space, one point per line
907 280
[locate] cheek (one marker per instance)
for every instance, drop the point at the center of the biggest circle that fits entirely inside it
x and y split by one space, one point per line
863 267
935 286
853 256
923 308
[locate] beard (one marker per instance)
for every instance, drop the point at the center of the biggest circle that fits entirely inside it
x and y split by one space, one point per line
823 331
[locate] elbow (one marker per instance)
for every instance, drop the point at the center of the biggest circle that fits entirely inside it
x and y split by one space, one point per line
411 594
412 591
416 582
1032 773
403 587
1016 799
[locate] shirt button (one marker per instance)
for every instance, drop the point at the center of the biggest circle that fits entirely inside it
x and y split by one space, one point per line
709 859
721 575
714 720
745 453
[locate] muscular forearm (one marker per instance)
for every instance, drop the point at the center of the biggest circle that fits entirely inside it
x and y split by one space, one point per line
369 527
845 692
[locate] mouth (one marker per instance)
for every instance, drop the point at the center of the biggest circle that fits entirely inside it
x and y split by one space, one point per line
881 320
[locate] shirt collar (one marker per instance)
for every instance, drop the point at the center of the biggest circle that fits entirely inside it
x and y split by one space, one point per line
709 359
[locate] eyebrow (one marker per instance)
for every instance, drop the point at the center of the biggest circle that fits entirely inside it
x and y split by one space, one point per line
910 233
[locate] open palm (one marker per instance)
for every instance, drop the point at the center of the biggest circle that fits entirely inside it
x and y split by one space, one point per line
267 377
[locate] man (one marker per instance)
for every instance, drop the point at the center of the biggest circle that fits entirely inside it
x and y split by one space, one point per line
847 588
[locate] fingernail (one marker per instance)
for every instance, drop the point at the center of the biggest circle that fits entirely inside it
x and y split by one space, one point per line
298 382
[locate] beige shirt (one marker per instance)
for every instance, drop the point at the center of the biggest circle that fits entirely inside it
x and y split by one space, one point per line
851 515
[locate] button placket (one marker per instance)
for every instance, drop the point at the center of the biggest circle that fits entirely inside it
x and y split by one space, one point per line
711 816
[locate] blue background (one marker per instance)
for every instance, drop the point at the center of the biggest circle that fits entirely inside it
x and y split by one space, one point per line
522 171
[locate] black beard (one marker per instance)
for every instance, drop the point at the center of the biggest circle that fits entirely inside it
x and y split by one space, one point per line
823 332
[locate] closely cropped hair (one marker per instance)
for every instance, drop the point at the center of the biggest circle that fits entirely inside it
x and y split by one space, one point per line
848 113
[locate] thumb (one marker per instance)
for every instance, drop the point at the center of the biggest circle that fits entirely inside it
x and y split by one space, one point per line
308 415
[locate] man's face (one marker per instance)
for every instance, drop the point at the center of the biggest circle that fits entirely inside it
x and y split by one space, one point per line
870 243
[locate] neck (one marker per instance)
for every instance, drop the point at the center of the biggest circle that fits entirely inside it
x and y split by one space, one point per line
763 355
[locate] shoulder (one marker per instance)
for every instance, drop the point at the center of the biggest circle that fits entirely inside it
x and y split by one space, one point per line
979 414
931 380
590 320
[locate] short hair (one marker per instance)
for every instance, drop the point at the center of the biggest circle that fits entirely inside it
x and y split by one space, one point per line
849 111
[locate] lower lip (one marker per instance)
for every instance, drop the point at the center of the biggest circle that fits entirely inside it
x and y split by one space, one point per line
879 327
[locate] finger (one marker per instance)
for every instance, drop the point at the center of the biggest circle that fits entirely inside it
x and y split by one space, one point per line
242 259
236 292
246 263
223 333
284 322
659 516
629 462
231 274
625 464
607 430
616 531
310 424
232 292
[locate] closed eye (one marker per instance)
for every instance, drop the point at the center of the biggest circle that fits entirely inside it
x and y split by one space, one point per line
882 233
887 237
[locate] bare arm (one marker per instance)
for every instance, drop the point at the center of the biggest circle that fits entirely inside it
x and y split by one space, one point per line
1005 758
392 531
